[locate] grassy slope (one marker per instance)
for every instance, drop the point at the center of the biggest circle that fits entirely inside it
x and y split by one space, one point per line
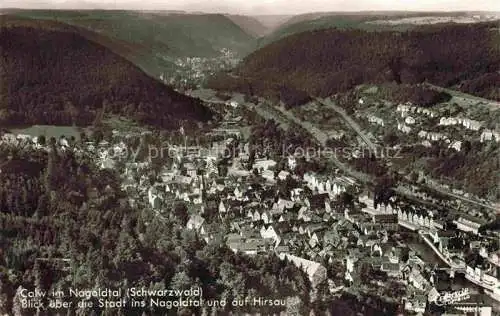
157 38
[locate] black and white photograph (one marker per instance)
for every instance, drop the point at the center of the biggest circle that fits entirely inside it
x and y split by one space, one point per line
249 158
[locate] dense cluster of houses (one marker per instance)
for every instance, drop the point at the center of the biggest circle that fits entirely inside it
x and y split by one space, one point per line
263 222
410 117
468 124
196 69
453 245
431 127
310 225
303 226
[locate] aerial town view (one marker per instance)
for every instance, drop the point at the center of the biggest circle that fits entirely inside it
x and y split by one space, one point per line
237 158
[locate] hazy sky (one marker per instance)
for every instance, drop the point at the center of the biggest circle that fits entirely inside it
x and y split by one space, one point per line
264 6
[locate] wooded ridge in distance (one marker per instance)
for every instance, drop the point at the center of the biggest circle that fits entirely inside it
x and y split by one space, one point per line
52 75
159 38
325 62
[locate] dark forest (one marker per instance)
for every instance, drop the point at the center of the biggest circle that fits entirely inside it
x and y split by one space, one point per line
325 62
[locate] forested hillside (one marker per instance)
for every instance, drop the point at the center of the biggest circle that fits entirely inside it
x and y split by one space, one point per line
352 20
159 38
328 61
50 74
